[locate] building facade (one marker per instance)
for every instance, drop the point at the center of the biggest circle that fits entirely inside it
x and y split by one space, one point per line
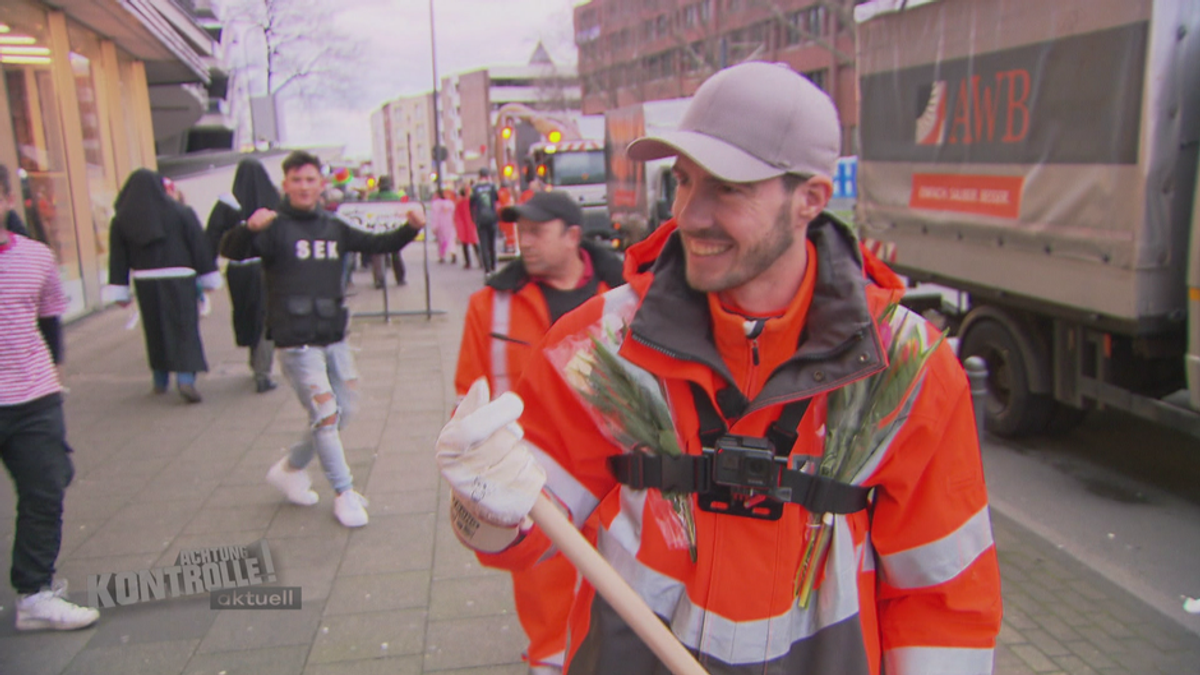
631 51
402 142
469 103
466 122
76 81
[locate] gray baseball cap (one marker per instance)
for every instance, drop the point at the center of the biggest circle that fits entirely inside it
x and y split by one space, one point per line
751 122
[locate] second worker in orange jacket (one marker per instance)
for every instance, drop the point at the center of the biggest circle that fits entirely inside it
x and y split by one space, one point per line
557 272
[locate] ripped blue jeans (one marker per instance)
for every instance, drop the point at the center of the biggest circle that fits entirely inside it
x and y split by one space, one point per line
325 380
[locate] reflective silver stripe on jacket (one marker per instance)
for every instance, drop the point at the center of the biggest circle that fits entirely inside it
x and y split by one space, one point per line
626 528
745 642
939 561
937 661
569 491
247 261
501 320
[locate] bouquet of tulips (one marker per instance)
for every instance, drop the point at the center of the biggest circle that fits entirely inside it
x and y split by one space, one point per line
630 407
860 417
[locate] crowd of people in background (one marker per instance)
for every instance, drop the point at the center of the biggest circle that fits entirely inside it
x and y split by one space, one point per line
164 263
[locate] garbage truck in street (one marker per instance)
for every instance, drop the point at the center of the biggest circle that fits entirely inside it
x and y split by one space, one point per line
639 194
1039 160
577 168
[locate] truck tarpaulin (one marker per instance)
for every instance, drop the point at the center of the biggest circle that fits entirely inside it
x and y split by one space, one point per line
1030 147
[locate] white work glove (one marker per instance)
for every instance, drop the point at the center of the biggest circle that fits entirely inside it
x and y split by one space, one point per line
495 478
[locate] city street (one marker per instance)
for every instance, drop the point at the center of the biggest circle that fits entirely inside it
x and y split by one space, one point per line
156 477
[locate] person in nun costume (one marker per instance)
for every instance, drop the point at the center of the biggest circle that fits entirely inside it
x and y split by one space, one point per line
160 244
252 190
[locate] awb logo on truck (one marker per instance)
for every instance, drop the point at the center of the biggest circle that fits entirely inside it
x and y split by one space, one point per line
985 111
1014 106
1070 101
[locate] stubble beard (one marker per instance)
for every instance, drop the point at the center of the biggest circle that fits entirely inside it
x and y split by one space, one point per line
756 259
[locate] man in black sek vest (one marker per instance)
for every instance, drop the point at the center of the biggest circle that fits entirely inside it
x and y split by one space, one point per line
301 248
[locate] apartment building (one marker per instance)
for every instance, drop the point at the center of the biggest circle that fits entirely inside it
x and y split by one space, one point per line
402 141
631 51
470 100
467 106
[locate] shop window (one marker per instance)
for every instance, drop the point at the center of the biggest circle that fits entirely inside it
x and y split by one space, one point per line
85 62
37 139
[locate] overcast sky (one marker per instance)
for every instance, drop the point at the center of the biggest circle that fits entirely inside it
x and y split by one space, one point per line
471 34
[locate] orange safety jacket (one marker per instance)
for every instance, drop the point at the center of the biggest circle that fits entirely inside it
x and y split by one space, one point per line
509 316
504 323
910 585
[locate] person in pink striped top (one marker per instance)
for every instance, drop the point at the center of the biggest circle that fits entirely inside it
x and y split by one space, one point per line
33 442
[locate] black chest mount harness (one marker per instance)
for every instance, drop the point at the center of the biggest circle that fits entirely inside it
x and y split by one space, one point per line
742 475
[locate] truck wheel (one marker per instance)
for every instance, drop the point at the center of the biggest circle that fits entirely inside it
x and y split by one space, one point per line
1012 410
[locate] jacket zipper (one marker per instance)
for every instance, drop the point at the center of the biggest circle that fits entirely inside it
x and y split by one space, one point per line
754 329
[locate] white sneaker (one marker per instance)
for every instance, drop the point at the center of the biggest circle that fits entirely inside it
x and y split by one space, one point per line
48 609
293 483
350 509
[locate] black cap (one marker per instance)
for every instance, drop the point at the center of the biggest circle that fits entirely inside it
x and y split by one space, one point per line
545 206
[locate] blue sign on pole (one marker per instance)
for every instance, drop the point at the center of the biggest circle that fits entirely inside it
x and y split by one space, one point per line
845 181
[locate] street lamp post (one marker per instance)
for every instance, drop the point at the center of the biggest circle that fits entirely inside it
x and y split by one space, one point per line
437 135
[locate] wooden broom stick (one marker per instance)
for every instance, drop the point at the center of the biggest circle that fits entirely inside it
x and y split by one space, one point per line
609 584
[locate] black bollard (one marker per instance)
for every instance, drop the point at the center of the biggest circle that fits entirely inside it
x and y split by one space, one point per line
977 373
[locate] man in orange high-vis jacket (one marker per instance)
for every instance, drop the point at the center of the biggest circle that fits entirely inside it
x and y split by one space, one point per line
557 272
760 318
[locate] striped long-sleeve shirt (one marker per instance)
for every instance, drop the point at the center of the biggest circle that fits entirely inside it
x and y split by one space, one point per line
29 290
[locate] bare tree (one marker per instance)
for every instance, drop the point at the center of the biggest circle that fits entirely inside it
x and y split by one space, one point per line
551 91
304 54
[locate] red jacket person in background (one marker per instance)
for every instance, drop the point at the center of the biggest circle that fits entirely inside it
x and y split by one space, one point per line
781 352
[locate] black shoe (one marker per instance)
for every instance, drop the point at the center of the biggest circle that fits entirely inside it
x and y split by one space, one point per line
159 390
264 384
189 393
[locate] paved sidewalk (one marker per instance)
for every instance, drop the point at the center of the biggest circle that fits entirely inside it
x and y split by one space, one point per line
155 477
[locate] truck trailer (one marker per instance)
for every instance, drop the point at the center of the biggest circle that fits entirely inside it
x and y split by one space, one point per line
1040 161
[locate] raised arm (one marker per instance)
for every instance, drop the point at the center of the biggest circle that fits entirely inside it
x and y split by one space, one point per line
394 240
248 240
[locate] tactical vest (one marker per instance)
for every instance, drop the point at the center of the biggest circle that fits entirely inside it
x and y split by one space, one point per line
304 282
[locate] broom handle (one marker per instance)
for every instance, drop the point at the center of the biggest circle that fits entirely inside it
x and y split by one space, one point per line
609 584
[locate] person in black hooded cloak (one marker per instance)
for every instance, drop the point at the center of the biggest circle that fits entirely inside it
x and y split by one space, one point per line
252 190
160 244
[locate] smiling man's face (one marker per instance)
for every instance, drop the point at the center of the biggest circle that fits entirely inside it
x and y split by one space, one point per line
732 233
